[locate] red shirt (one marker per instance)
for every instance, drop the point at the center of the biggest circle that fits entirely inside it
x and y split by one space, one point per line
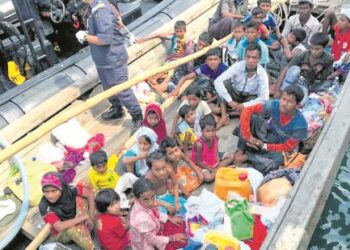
341 43
111 232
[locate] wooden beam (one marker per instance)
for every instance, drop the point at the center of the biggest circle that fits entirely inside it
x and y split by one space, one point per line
299 216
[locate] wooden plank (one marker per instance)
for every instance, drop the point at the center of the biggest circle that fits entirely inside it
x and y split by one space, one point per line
42 112
300 215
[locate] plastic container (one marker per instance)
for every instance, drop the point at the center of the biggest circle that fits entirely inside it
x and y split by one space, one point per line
221 241
231 181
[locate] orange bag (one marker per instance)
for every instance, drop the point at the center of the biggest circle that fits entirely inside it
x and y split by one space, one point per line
269 193
294 160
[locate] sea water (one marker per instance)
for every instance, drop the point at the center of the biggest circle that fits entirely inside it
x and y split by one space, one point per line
333 229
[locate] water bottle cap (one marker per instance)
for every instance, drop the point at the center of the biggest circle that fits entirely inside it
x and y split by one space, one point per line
243 176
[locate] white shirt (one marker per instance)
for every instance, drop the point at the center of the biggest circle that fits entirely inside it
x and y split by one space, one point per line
256 85
311 26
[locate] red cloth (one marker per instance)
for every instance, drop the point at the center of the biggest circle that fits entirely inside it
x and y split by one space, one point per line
160 128
245 127
171 229
111 232
341 43
51 218
259 234
263 31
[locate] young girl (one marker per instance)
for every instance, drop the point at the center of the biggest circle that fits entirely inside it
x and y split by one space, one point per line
188 129
154 120
193 98
187 174
147 228
134 160
112 231
60 207
205 151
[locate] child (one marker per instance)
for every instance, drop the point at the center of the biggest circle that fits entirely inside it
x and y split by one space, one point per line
281 56
180 45
252 36
188 128
103 175
165 184
341 44
65 213
187 174
134 160
205 150
147 228
111 229
258 16
193 98
311 70
230 53
154 120
270 21
204 40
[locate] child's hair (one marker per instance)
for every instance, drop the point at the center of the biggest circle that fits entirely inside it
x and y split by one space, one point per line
257 11
237 24
251 24
184 110
319 38
146 138
142 185
206 37
309 2
151 112
105 198
207 120
180 25
98 158
213 52
295 90
193 91
263 1
299 34
156 155
167 142
253 46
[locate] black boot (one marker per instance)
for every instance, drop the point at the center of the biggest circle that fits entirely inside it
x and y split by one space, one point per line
113 113
136 122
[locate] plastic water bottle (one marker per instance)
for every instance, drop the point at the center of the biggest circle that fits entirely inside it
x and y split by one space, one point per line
335 89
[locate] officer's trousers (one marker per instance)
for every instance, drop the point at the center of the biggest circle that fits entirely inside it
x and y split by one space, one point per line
113 76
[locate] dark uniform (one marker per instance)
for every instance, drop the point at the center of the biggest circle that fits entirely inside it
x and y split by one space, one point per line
111 58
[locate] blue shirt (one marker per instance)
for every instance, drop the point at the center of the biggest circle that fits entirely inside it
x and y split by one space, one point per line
243 44
102 22
205 70
295 129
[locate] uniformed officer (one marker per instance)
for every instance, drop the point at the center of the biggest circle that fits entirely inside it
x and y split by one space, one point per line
110 57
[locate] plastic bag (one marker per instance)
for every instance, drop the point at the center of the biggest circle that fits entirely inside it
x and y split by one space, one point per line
241 220
294 160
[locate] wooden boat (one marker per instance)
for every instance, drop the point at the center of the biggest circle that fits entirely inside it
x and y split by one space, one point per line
300 214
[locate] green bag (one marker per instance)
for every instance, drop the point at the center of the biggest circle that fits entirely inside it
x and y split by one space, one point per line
242 221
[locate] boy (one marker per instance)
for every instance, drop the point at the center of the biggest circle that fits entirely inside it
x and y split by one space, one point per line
102 175
310 70
258 15
187 174
229 51
165 184
252 36
180 45
112 231
269 21
204 40
188 129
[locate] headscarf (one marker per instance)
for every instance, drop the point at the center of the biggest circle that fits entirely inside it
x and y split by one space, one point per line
65 206
160 128
140 165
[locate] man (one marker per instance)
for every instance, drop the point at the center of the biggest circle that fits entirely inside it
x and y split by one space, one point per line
262 142
245 82
110 56
227 13
303 20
